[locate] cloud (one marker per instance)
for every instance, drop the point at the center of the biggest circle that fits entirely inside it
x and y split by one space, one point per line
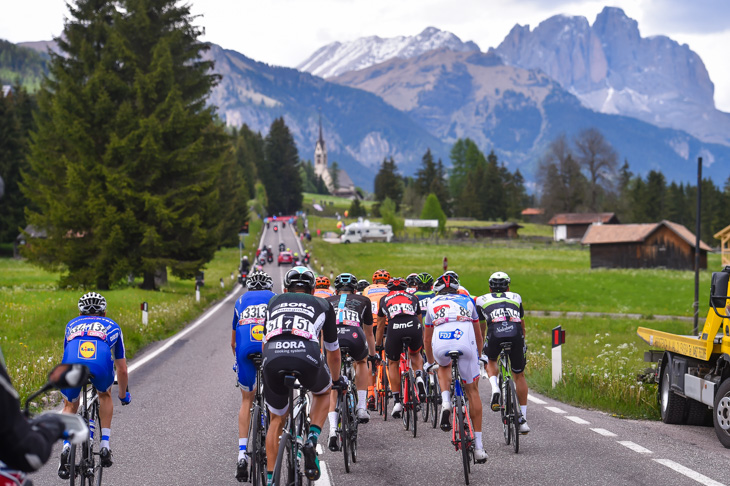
687 17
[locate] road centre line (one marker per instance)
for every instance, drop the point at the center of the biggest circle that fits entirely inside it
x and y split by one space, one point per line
604 432
577 420
324 478
694 475
634 447
556 410
536 400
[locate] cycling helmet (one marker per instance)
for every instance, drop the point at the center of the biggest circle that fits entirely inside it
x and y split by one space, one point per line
299 278
446 282
345 281
381 276
322 283
92 303
425 281
452 274
499 282
245 258
397 283
412 280
362 285
259 280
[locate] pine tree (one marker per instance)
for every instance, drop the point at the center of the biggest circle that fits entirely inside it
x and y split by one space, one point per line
335 174
426 175
439 186
656 191
357 209
388 184
432 210
282 179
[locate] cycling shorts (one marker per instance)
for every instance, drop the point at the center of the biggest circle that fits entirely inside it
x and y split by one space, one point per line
353 337
457 336
95 354
292 353
516 354
397 331
248 340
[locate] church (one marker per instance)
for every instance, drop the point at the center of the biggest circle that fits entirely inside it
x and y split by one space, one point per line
343 187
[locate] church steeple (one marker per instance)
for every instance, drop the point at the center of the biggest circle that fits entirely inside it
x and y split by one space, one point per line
321 139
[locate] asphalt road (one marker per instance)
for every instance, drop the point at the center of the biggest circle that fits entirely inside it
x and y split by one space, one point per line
181 429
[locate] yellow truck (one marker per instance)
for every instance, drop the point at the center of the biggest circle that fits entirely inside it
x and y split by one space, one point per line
693 372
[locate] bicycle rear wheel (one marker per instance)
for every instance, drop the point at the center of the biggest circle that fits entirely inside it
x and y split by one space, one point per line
460 437
97 470
434 397
425 409
405 391
504 410
352 426
386 392
257 450
73 466
344 430
515 417
286 471
413 401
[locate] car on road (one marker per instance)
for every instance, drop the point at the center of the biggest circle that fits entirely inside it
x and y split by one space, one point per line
286 257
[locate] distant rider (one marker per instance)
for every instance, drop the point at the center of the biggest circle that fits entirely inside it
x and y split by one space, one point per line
322 287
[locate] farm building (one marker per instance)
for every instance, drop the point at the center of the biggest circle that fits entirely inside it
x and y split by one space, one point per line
724 237
665 244
533 215
572 226
504 230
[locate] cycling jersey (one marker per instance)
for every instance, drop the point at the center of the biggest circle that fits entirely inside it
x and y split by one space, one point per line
453 317
323 293
375 292
353 313
423 297
249 319
402 311
94 341
302 315
411 290
503 312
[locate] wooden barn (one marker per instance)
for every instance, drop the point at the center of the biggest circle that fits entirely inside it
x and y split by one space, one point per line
572 226
665 244
504 230
724 237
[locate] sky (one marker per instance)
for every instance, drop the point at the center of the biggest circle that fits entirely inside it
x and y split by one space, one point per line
286 32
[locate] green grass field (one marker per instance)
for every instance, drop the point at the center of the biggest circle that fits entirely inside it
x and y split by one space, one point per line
34 312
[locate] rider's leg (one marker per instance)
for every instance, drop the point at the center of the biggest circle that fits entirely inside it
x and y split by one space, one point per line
394 376
361 381
521 385
276 426
318 413
475 405
244 418
416 360
71 407
444 373
493 371
106 408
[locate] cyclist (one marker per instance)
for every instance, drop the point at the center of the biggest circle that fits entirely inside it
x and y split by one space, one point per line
354 331
249 318
412 281
504 314
245 265
96 341
375 292
455 318
424 291
404 320
322 287
294 322
362 285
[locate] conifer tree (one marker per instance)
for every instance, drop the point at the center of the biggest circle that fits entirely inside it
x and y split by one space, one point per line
282 179
432 210
388 184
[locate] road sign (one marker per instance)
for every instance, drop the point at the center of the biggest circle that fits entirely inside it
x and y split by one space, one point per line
446 264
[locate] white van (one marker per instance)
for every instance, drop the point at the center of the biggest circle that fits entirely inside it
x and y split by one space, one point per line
364 231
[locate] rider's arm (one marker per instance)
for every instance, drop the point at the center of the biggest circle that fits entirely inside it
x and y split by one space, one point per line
233 342
330 342
522 322
381 330
370 338
22 446
427 346
478 335
122 377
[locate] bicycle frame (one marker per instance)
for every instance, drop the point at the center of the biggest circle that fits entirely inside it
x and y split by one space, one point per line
462 433
348 424
292 439
257 429
410 400
87 467
509 408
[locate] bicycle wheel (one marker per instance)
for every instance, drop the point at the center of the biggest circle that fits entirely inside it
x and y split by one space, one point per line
352 426
434 400
460 437
504 410
344 430
73 467
515 417
386 392
425 409
97 470
256 449
285 469
405 398
413 401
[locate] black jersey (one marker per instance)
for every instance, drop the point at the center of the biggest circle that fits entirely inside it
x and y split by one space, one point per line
352 310
399 306
303 315
502 311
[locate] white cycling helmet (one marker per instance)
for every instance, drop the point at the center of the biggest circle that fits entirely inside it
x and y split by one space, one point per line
92 303
499 282
259 280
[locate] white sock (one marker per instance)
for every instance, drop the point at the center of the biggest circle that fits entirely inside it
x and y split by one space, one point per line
242 445
333 422
478 440
446 399
362 398
523 409
105 435
494 383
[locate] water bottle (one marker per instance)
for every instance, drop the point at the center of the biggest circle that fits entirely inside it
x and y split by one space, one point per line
92 426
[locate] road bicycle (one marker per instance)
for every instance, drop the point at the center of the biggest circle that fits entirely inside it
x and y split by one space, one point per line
462 432
509 406
84 462
382 385
410 401
258 425
430 406
347 422
289 466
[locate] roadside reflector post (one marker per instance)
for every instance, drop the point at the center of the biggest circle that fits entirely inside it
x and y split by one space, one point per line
321 269
222 284
332 275
197 293
558 338
145 315
446 264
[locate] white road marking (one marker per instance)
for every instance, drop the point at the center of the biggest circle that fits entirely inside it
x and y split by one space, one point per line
536 400
556 410
689 472
319 449
634 447
604 432
577 420
324 478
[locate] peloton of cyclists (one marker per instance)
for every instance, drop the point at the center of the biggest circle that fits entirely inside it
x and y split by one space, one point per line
504 315
355 332
249 320
375 292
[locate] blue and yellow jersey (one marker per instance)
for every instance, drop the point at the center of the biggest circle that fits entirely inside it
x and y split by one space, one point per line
90 331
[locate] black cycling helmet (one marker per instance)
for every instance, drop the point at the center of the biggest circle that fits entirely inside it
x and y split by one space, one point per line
299 278
499 282
397 283
345 281
259 280
362 285
92 303
412 280
445 282
425 281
